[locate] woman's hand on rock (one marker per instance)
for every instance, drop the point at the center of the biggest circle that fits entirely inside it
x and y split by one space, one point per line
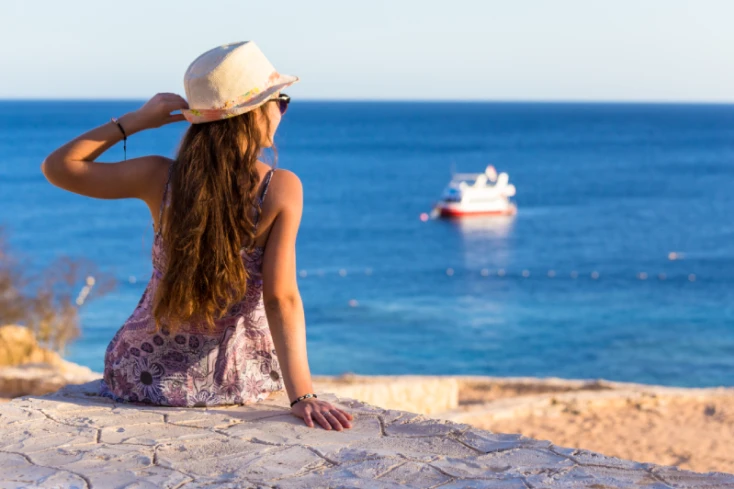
313 411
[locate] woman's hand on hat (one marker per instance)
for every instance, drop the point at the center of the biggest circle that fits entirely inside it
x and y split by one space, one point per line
157 112
324 413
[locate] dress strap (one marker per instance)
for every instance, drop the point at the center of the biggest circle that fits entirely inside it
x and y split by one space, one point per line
163 201
266 184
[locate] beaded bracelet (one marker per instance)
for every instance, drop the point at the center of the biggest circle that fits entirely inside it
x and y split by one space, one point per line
305 396
124 135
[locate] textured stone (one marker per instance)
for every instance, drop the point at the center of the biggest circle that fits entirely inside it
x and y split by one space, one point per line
120 416
17 471
287 429
151 433
585 457
75 439
684 479
596 476
417 449
508 483
411 427
333 479
413 474
40 435
211 420
487 442
231 459
516 460
15 414
148 477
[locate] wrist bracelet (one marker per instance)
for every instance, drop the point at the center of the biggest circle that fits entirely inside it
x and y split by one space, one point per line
305 396
124 135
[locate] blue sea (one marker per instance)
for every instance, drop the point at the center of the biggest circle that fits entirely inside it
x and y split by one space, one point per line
579 284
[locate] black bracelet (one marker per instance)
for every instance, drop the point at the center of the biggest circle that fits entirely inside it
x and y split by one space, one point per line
305 396
124 135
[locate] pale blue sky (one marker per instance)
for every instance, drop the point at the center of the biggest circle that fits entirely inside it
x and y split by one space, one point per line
636 50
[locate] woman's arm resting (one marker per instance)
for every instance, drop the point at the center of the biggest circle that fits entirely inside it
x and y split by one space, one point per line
280 288
284 307
72 166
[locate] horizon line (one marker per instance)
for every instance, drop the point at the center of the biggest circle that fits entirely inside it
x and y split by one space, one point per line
413 100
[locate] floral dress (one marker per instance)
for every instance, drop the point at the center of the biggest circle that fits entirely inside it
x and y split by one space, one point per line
233 363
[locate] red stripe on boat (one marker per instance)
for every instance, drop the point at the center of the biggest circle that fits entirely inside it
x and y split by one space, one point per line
446 212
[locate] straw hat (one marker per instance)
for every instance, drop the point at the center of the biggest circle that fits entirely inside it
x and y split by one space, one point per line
230 80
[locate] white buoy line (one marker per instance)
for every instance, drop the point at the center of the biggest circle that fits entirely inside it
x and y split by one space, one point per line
524 274
552 274
452 272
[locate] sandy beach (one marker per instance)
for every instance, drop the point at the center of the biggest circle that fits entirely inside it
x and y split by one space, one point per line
690 428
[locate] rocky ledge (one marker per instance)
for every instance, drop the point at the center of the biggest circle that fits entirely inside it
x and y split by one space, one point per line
75 439
27 368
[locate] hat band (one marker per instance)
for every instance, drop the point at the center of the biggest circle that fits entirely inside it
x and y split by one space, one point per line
233 107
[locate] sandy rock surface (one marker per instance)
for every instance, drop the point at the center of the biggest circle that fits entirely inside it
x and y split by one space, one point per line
26 368
41 378
76 439
689 433
18 346
692 428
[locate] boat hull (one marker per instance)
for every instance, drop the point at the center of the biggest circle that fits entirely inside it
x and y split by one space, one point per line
458 211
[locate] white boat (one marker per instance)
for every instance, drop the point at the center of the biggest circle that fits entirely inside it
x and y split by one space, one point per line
471 194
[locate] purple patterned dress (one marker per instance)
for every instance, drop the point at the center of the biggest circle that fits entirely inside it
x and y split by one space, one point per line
235 363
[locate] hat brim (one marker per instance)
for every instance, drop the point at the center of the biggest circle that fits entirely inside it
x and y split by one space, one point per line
200 116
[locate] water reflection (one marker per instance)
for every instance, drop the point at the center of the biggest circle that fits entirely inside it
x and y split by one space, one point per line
486 240
484 227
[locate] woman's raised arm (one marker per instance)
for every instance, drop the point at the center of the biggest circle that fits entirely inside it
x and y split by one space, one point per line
72 166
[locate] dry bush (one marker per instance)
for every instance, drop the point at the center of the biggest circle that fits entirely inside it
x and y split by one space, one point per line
48 301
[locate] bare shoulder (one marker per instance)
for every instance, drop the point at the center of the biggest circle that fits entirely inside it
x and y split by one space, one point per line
283 208
286 189
157 170
160 164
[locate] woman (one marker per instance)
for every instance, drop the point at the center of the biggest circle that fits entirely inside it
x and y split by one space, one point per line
221 320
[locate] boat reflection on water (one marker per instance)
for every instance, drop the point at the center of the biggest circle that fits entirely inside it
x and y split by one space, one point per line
481 227
486 241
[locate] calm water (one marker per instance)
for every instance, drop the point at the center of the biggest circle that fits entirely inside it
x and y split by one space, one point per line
611 189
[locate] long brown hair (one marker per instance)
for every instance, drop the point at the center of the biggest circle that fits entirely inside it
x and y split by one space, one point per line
213 188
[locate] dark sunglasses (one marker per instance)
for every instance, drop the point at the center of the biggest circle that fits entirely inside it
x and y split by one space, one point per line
283 101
